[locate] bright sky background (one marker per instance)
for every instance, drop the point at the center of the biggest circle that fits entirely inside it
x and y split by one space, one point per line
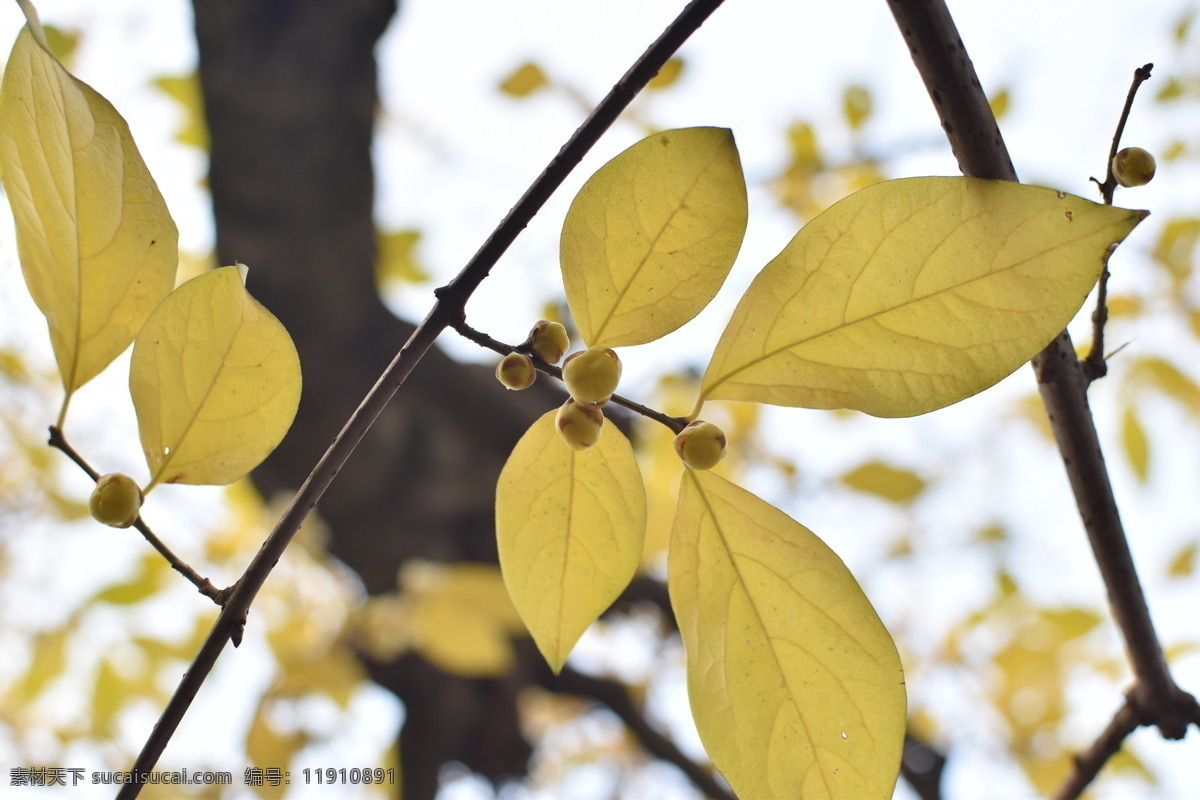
454 155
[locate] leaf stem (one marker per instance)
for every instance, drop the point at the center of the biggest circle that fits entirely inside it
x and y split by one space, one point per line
35 24
1095 365
204 585
448 310
62 413
676 424
967 120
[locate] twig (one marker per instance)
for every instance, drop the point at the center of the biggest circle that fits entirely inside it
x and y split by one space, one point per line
448 311
676 424
1109 186
615 696
203 584
975 139
1096 365
1129 717
1089 763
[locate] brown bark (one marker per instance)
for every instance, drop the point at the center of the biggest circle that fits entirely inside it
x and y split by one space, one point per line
290 98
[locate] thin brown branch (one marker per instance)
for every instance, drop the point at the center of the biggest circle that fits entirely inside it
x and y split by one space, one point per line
1129 717
1109 186
676 424
975 138
1089 763
448 311
59 440
1096 365
615 696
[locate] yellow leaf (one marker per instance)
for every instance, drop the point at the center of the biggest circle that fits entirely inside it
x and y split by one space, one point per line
185 90
63 43
1173 89
883 480
270 748
459 617
856 106
1124 306
1167 378
1180 650
1183 26
651 236
1070 622
396 260
795 685
118 683
1137 446
215 381
1175 151
48 663
1000 103
110 693
335 673
666 76
570 526
97 245
913 294
1184 562
1127 761
153 575
1176 246
524 80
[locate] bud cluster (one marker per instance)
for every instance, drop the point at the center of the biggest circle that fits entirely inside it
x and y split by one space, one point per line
547 340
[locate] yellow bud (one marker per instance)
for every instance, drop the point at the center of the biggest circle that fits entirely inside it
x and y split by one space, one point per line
701 445
516 371
579 424
592 375
549 341
1133 166
116 500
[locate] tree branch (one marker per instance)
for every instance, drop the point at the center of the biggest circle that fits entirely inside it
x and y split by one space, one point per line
975 139
1089 763
1096 364
448 311
615 697
59 440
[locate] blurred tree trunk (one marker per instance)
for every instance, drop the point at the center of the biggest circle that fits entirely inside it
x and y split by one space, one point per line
290 94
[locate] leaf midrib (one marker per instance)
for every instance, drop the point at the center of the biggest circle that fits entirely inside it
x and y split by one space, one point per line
765 356
598 336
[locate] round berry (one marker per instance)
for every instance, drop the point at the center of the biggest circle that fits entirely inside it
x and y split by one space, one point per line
549 341
579 424
1133 166
592 375
701 445
516 371
116 500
